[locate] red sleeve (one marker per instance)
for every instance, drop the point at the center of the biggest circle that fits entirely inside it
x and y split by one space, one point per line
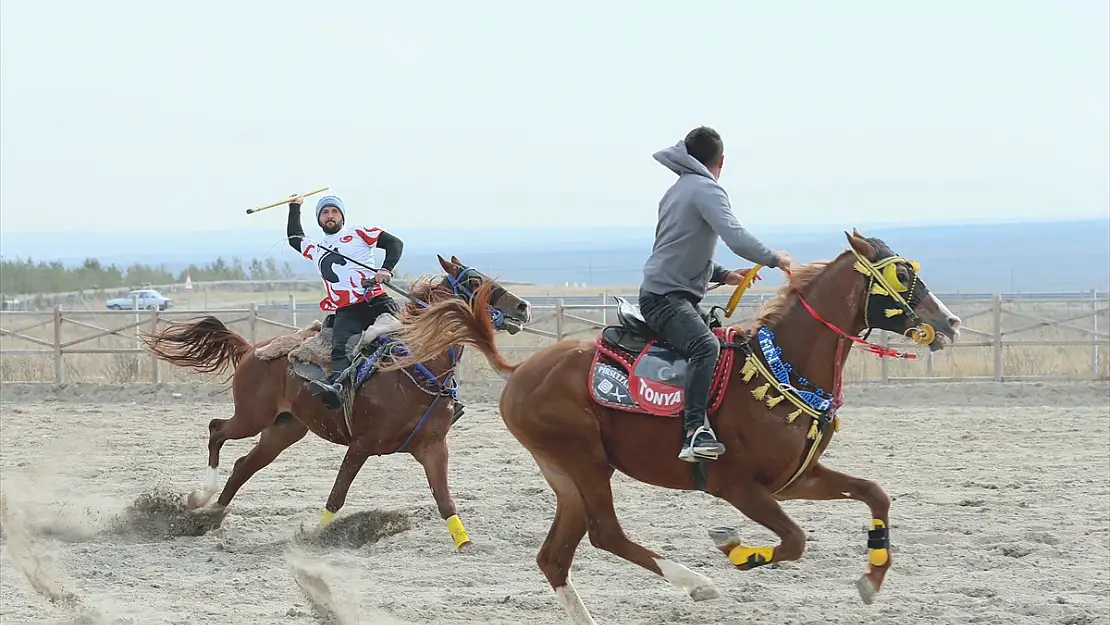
368 235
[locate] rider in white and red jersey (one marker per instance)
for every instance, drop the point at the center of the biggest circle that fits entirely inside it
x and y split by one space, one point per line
354 293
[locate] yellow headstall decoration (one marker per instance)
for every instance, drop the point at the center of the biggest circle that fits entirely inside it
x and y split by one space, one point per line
884 282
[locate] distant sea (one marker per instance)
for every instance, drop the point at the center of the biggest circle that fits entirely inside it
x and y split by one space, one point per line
1048 256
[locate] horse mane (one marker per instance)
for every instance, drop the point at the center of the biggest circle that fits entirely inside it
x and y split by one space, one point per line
772 312
425 287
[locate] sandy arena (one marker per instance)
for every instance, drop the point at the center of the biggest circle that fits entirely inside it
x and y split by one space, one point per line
1001 515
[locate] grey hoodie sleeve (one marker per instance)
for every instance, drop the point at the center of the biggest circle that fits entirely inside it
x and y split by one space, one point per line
715 208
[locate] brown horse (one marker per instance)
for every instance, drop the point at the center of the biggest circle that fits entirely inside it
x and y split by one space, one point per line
568 406
386 412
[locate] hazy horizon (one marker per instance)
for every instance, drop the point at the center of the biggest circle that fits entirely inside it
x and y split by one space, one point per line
168 118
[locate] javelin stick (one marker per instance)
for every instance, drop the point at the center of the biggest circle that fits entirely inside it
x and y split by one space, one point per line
251 211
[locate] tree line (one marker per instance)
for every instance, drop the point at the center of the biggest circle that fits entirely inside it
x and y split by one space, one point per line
29 277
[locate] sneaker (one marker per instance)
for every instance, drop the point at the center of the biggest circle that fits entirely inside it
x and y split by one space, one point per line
701 445
330 393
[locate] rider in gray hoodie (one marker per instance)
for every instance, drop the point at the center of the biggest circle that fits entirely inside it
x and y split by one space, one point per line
693 214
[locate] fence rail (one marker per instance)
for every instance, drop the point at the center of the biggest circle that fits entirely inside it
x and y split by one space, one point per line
1071 344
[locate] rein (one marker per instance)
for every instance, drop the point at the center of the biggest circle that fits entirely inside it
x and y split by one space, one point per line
867 268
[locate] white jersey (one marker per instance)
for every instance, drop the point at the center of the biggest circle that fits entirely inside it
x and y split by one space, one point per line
342 278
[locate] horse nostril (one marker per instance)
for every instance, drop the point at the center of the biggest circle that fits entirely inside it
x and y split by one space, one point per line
954 322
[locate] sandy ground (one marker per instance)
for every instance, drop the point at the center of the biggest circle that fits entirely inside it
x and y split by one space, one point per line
1001 515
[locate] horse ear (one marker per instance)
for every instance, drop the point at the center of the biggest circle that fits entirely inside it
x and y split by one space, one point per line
860 244
456 260
447 265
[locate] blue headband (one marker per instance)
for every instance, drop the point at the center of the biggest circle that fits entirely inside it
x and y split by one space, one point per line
330 200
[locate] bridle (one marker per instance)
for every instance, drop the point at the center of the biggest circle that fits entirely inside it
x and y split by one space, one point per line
462 288
883 282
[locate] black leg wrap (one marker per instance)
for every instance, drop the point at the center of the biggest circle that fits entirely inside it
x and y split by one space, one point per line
697 471
878 538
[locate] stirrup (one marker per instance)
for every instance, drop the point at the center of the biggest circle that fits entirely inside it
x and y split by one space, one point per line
692 449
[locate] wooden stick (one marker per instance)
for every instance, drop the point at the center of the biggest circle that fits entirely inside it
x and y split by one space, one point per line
256 209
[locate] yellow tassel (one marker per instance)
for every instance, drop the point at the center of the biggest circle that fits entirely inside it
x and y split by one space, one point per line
812 431
877 289
793 415
892 312
836 424
860 268
761 391
774 401
748 370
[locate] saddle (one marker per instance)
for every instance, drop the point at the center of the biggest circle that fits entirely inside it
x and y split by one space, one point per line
633 333
635 370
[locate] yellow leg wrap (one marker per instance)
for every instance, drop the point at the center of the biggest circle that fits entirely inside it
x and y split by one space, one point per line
458 532
753 556
878 557
326 517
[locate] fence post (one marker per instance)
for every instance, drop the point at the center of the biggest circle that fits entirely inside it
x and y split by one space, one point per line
293 310
604 310
253 321
154 377
997 313
59 369
559 319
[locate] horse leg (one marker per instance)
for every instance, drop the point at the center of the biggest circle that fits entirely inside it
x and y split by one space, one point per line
823 483
760 506
348 469
557 552
242 424
433 457
276 438
591 473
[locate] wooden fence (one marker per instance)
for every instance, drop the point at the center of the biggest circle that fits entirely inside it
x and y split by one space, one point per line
1070 343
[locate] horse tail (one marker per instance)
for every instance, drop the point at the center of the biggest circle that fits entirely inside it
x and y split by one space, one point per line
428 332
206 345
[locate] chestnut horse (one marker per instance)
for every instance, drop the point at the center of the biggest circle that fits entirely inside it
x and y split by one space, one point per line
389 411
578 431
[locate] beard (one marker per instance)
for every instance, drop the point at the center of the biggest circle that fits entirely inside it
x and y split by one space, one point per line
331 229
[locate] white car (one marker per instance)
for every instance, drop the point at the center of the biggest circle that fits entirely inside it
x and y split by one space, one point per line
147 299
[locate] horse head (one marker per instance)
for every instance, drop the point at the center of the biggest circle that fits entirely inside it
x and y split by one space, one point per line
507 311
897 299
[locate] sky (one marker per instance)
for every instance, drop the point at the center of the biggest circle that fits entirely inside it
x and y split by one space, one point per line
137 116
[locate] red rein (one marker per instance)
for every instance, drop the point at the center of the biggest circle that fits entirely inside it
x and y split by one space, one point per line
838 370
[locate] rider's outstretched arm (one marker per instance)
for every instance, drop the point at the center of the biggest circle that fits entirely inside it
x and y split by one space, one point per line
717 212
294 233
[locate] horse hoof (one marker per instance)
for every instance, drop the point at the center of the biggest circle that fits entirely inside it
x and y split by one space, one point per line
867 592
724 536
705 593
198 498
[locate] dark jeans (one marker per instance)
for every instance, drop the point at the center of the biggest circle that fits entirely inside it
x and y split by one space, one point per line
676 319
352 320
